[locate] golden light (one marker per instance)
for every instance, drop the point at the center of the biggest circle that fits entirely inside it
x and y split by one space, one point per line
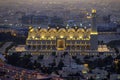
86 65
36 38
80 37
31 30
33 37
14 34
84 71
61 36
43 37
52 37
89 17
93 10
95 33
71 37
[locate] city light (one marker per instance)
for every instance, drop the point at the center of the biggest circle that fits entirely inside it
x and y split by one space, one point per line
61 36
59 39
93 11
94 33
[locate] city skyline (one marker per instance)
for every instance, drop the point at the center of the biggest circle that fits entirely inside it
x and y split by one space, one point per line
38 3
61 8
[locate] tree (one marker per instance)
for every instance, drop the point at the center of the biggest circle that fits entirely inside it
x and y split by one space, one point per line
118 57
116 68
2 73
87 57
116 50
53 63
53 53
108 60
74 57
24 61
36 65
60 64
78 61
65 53
91 78
40 57
13 59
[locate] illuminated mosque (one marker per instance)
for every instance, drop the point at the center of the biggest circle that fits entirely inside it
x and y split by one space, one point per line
72 40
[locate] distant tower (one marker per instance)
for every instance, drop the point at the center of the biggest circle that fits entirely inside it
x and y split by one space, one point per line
94 28
94 33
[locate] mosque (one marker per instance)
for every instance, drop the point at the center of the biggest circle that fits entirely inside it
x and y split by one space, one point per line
72 40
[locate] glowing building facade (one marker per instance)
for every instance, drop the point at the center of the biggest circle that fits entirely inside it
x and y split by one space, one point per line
63 39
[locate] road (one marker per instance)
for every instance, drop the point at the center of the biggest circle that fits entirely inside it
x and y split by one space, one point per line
3 48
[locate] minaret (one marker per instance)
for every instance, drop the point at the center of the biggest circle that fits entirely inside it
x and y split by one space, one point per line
94 28
94 33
